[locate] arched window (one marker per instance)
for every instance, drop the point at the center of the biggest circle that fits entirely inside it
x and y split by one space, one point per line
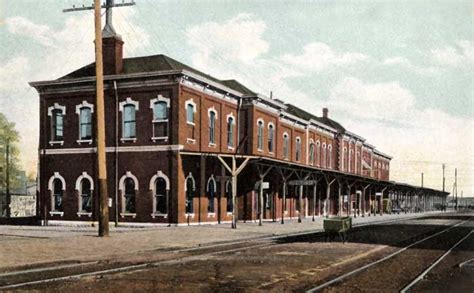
228 195
161 202
323 162
190 187
58 195
271 135
212 127
211 192
86 196
286 145
129 195
318 153
57 125
230 132
298 149
260 135
311 154
330 156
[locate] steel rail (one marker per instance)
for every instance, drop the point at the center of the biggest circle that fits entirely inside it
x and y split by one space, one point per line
182 259
365 267
423 274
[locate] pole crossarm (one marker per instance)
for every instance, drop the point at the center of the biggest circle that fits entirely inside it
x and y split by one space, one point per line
83 7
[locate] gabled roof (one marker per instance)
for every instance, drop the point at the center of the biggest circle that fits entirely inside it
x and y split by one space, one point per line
235 85
332 123
292 109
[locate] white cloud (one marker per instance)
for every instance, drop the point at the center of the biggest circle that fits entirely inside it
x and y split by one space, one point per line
405 63
238 39
24 27
461 54
318 56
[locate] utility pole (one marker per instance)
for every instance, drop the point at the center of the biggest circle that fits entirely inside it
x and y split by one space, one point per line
100 117
456 188
421 179
7 175
444 180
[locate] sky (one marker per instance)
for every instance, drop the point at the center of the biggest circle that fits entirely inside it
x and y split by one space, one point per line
398 73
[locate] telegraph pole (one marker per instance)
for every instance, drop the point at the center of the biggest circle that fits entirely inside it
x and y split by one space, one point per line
456 188
444 180
7 175
100 117
422 179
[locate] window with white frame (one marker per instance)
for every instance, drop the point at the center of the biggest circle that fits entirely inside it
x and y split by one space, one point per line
286 145
260 125
230 131
271 135
160 106
57 112
190 111
57 187
298 148
212 113
128 109
211 193
190 188
129 195
160 186
323 162
311 153
85 110
86 196
318 153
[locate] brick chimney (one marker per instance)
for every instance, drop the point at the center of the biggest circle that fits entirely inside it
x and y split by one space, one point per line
112 49
112 44
325 112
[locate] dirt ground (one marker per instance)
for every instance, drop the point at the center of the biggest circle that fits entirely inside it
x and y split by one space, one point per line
294 263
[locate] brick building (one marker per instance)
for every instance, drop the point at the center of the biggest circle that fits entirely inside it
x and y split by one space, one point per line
181 143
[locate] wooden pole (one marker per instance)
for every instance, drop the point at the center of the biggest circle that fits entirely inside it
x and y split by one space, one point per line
283 202
101 159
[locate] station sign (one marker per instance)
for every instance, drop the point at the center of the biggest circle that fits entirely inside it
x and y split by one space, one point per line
302 182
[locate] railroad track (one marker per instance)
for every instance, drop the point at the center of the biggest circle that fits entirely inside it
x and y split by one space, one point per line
63 272
351 274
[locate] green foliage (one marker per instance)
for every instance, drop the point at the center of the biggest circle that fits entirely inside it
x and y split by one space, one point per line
9 136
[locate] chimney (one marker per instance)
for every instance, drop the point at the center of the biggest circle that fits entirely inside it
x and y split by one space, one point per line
112 44
325 112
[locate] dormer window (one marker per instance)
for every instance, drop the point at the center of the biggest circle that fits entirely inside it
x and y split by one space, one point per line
57 113
128 109
160 107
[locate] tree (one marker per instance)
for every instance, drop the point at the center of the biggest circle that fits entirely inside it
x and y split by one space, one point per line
9 139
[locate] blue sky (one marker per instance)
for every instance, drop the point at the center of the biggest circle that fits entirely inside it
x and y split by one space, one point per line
399 73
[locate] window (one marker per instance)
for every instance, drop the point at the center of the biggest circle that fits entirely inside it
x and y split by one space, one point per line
129 195
190 113
271 135
212 127
230 132
285 145
57 126
318 153
311 154
260 135
298 149
323 161
129 121
211 192
330 156
86 196
161 198
57 195
85 123
160 117
57 112
228 195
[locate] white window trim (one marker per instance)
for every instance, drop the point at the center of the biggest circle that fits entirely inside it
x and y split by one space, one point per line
84 104
287 138
324 156
152 187
186 103
128 101
298 140
159 98
212 109
330 156
56 106
273 138
128 174
56 175
209 111
190 176
263 127
79 179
